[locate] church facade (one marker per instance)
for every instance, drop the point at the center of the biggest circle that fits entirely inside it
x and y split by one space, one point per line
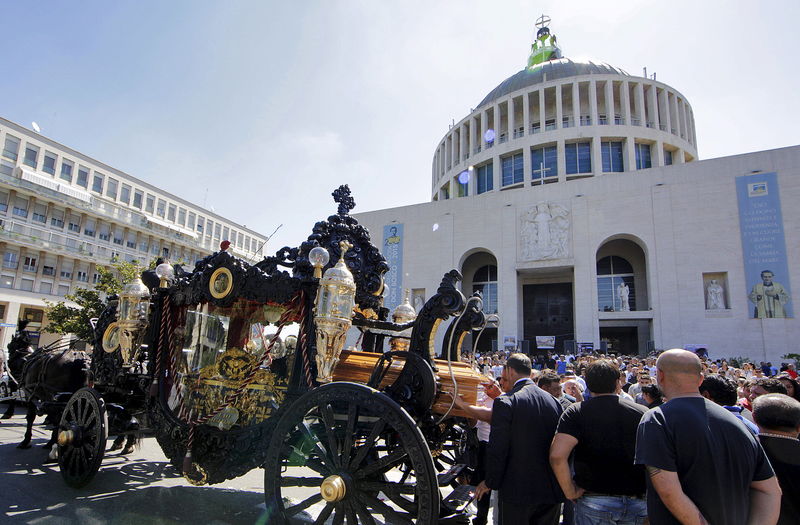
572 197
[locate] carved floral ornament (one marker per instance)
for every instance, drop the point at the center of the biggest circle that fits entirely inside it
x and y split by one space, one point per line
544 232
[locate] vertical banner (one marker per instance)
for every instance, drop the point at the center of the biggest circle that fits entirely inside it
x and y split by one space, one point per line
763 246
393 253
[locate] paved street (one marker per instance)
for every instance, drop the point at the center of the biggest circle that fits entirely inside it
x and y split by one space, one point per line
140 488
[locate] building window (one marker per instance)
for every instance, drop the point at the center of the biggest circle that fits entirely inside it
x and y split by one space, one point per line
88 229
171 213
46 288
57 220
182 216
667 157
83 177
66 171
485 178
74 226
512 169
3 201
445 193
150 203
544 162
485 281
97 183
83 277
200 222
578 157
20 207
11 147
40 213
612 156
6 167
642 156
111 188
125 194
6 281
11 260
63 289
26 285
31 156
612 273
48 270
190 222
29 264
217 231
137 199
49 165
161 208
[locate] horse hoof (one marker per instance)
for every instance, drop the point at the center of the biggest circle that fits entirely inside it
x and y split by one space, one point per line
126 451
6 416
24 445
114 447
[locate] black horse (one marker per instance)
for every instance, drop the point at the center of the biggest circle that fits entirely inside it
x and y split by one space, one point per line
46 378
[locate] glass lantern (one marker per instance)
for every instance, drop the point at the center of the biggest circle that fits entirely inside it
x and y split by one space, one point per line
336 298
134 304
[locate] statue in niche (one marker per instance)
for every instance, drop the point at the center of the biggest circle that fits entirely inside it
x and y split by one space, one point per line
623 292
544 232
715 296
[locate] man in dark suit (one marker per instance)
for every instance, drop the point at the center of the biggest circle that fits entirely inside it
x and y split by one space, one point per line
523 424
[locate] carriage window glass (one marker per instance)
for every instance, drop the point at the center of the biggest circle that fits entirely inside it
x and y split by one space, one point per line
223 347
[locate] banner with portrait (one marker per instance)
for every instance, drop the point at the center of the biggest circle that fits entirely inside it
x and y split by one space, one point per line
392 249
763 246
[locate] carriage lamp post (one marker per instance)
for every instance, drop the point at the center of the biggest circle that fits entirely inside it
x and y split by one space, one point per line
333 314
134 302
404 313
165 273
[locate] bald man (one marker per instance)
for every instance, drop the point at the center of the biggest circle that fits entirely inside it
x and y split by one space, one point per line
703 465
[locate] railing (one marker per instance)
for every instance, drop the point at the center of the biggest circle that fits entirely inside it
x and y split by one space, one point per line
602 120
550 127
619 121
503 138
519 133
586 120
567 122
635 122
651 124
535 128
476 150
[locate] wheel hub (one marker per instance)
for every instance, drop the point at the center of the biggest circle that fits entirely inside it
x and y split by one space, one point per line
65 437
333 489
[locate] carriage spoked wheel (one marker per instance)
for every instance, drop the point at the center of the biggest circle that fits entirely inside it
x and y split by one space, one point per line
346 453
82 437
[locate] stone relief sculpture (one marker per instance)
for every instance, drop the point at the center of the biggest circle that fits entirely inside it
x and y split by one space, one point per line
715 296
544 232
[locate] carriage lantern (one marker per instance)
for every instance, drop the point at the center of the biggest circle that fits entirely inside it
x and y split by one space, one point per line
404 313
333 313
134 302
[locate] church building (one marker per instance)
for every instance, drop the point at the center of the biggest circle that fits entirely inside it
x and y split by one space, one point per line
573 198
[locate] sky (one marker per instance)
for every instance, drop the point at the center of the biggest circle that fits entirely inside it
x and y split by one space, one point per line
260 109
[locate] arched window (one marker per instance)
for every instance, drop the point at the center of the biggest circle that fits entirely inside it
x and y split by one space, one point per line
612 273
485 281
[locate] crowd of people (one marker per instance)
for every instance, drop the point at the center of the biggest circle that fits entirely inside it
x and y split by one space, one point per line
605 439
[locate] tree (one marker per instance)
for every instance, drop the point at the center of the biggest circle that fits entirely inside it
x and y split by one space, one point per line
65 319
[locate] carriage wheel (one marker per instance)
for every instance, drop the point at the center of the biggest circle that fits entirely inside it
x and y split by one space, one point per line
347 452
82 437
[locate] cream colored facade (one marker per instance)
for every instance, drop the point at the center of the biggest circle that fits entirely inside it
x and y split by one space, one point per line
63 213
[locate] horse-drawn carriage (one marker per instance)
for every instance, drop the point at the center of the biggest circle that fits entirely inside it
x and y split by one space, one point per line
235 366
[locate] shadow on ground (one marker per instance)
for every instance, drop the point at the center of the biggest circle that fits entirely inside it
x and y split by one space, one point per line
126 490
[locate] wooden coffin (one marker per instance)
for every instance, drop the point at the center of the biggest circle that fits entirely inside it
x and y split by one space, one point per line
357 367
